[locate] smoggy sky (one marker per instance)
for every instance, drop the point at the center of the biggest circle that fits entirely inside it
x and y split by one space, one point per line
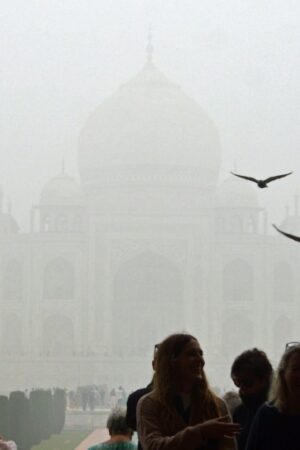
59 59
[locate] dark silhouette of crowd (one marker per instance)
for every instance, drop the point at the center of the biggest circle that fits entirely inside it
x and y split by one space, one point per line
178 410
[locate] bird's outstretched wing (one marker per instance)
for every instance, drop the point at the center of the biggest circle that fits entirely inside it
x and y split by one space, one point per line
276 177
290 236
245 177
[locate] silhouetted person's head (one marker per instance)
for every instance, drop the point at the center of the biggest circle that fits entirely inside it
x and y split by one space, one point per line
180 370
252 373
116 424
179 360
286 387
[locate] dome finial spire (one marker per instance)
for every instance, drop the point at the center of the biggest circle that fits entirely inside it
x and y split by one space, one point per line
149 46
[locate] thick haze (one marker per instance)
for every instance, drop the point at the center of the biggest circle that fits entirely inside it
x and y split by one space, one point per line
238 59
74 295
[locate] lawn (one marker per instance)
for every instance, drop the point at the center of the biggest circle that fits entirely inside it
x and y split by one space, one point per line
67 440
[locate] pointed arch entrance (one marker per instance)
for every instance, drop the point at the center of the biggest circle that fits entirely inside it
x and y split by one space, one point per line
147 305
58 336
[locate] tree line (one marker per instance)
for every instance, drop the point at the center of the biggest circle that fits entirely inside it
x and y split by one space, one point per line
27 419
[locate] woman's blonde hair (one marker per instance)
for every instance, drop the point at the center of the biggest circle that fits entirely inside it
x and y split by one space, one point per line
165 383
279 391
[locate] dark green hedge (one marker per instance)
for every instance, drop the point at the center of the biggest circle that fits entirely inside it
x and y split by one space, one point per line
59 408
20 425
28 420
4 415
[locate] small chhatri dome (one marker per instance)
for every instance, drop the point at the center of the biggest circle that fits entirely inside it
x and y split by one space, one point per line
235 193
62 190
8 223
149 131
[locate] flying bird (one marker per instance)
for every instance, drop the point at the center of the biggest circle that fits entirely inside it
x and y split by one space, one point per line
262 183
290 236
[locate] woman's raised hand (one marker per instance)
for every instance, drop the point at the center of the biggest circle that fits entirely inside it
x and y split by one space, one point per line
219 428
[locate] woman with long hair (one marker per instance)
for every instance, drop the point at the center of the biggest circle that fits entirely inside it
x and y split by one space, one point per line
277 423
182 413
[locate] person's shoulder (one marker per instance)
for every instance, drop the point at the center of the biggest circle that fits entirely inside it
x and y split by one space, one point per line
96 447
138 393
148 397
147 402
268 413
131 446
268 409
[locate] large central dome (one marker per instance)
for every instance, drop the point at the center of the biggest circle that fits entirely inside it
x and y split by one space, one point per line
149 132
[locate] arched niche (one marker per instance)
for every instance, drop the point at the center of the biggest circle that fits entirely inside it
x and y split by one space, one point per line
283 283
251 225
77 222
46 222
58 336
236 224
61 222
12 280
147 303
238 281
59 280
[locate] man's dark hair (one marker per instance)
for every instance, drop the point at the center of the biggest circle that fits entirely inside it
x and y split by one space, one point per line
254 360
